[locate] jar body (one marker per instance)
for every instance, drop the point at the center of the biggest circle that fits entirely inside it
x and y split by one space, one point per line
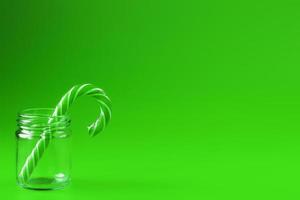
52 169
43 159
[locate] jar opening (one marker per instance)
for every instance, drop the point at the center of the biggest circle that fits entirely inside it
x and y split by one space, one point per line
39 112
40 121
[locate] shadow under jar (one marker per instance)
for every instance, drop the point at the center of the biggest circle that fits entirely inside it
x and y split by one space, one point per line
43 149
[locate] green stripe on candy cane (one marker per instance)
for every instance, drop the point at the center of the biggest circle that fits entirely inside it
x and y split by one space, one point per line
62 108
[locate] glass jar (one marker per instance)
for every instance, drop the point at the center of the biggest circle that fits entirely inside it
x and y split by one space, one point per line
43 149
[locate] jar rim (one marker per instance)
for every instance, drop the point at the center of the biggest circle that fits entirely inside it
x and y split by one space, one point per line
40 113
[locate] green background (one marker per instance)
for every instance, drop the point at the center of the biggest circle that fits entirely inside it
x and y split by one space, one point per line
205 95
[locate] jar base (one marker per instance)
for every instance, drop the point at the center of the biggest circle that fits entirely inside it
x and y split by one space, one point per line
43 183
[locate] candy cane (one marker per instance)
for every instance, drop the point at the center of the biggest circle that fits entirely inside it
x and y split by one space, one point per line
62 108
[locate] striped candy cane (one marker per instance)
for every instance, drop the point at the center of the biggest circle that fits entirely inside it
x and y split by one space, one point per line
62 108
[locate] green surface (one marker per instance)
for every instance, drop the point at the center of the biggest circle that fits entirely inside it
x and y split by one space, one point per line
205 95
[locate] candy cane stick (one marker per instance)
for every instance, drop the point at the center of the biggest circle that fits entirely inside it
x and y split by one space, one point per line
62 108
